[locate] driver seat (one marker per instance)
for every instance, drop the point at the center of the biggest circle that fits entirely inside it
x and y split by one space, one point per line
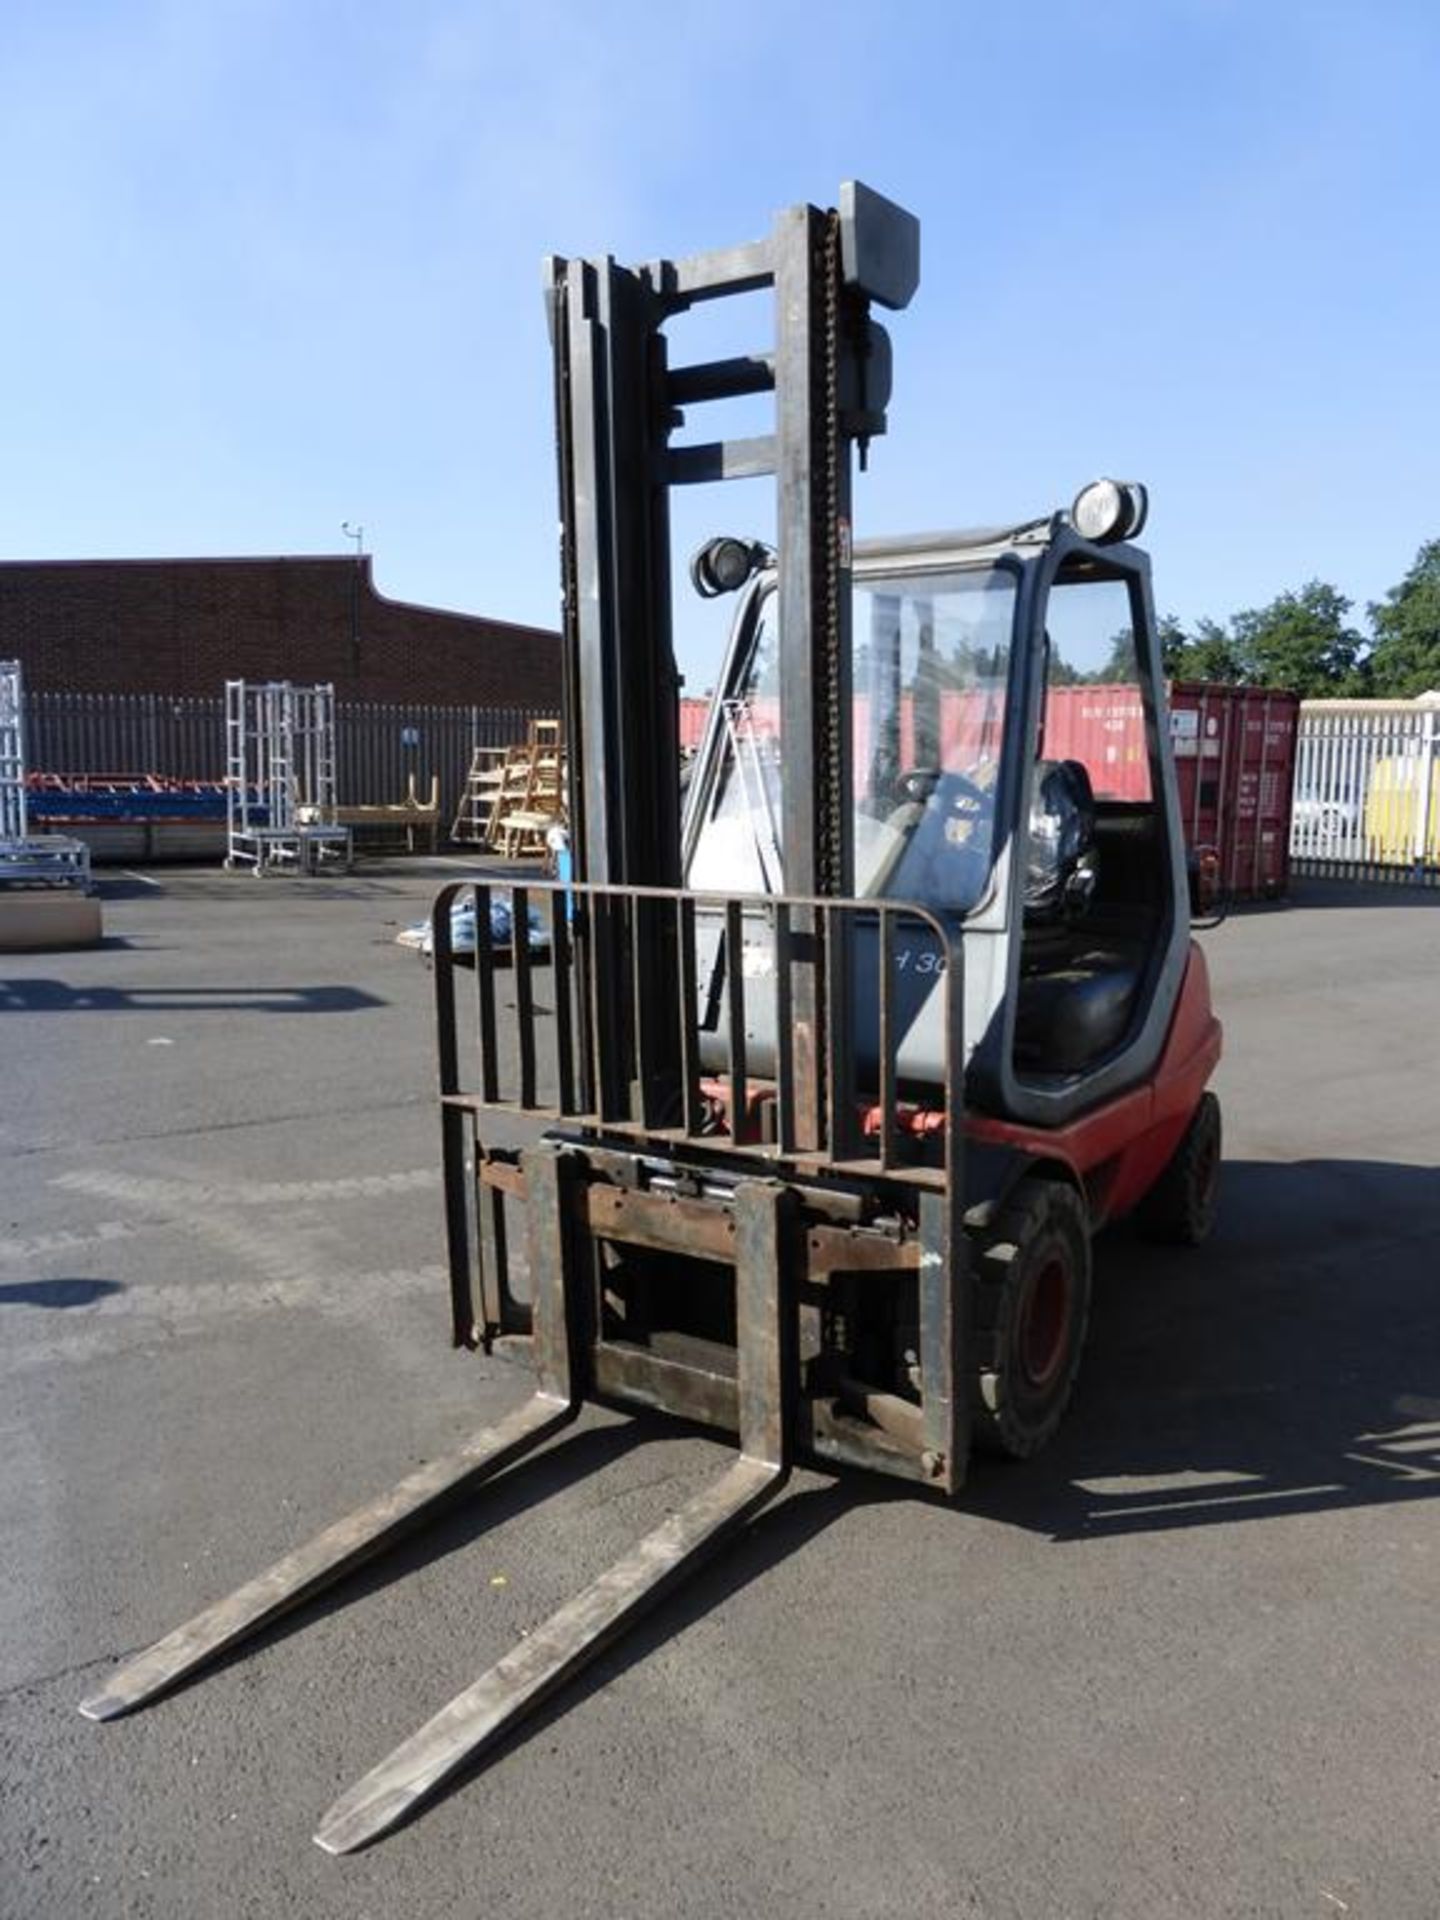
1076 994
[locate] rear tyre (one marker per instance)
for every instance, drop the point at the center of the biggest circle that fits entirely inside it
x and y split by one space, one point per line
1032 1307
1179 1209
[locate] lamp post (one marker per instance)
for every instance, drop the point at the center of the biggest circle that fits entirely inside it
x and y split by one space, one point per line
357 534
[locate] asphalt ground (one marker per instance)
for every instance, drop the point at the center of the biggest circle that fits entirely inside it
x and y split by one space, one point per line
1183 1664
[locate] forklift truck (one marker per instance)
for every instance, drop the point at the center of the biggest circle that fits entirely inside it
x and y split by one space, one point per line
830 1077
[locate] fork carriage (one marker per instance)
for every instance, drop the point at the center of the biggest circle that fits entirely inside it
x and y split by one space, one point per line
663 1110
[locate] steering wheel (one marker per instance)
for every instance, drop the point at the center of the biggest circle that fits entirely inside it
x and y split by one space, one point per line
948 790
947 852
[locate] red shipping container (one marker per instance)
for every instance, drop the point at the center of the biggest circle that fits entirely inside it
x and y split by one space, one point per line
693 715
1102 725
1235 761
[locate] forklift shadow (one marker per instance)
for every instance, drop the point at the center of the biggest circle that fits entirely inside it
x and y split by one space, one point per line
1289 1366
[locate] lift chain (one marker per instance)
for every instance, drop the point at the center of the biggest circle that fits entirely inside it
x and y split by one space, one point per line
834 800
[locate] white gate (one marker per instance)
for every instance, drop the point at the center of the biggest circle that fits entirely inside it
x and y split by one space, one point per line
1367 789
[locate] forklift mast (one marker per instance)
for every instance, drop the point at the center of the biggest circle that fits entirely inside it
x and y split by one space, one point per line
619 404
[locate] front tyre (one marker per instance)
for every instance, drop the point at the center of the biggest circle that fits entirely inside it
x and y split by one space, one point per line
1180 1208
1032 1306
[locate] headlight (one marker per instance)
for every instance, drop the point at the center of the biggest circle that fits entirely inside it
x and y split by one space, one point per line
724 564
1110 510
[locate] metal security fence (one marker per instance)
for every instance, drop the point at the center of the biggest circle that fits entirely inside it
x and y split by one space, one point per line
378 745
1367 790
377 748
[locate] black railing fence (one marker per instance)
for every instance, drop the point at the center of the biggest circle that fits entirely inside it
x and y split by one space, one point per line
377 745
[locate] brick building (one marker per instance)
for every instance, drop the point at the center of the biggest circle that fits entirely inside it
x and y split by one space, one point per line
186 626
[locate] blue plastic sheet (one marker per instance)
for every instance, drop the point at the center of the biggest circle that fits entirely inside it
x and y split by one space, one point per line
462 927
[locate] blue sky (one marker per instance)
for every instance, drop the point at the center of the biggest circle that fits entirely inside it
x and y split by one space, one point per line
275 264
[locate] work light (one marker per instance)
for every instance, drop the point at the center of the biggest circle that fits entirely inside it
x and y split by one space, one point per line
723 564
1110 510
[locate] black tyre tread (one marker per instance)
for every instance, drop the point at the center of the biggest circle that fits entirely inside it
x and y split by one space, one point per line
1175 1211
1030 1209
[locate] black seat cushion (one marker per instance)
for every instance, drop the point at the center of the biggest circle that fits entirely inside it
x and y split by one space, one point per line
1072 1012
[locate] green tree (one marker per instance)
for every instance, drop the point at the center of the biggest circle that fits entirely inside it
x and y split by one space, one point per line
1405 659
1173 641
1207 654
1122 666
1301 640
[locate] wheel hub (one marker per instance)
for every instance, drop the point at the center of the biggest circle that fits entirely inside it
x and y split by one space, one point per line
1045 1323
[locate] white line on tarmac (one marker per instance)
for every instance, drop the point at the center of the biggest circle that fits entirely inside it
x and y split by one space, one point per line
119 1322
129 873
181 1196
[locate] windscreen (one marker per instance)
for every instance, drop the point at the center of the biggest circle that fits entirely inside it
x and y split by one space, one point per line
930 669
932 663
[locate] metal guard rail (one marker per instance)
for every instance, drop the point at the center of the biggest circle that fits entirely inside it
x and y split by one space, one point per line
629 1046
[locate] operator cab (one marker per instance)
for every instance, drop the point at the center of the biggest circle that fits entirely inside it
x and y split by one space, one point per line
1005 717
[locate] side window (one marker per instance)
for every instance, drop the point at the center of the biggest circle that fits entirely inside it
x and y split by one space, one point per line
1094 710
